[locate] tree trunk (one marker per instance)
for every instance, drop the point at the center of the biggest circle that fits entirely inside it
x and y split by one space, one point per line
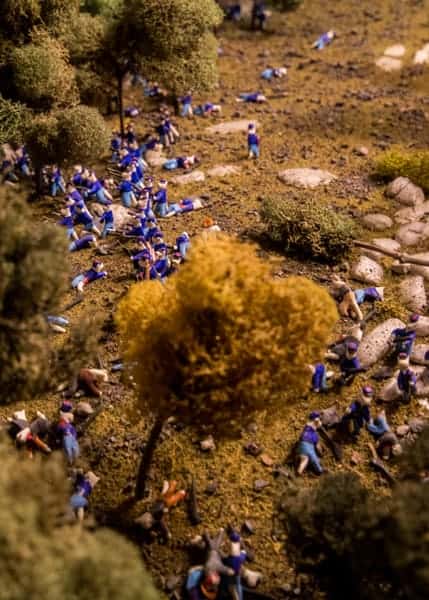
401 257
38 176
146 460
120 82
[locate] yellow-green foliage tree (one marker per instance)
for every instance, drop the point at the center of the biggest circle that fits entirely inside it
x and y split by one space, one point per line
221 340
401 163
39 559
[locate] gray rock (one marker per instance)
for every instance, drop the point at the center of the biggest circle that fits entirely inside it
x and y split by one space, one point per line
224 171
377 221
367 271
417 424
375 345
412 234
408 215
418 354
260 484
155 158
84 409
388 64
402 430
405 192
192 177
422 327
362 151
421 57
121 215
230 127
307 178
413 294
395 51
390 391
387 244
422 386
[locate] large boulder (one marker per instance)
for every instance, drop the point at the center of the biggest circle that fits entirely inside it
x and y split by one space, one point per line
377 221
404 191
375 345
230 127
413 294
412 233
192 177
121 215
422 386
155 158
367 271
307 178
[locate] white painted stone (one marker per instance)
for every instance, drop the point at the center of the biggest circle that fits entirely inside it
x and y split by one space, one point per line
421 57
404 191
377 221
395 51
418 354
422 327
375 345
230 127
223 171
413 294
408 215
412 233
307 178
386 63
367 271
121 215
390 391
193 177
154 158
412 269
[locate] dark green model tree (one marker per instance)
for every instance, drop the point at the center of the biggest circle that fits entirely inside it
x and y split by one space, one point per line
171 41
31 286
357 545
39 559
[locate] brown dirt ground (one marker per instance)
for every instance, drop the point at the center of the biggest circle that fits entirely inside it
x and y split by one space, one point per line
335 101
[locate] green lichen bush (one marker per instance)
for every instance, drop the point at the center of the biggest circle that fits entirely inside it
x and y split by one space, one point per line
222 339
39 558
307 228
31 286
401 163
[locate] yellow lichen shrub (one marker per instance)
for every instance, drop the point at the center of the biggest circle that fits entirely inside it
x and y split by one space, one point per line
223 339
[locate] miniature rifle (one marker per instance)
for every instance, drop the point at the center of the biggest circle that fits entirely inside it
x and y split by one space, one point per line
76 301
194 515
377 465
335 448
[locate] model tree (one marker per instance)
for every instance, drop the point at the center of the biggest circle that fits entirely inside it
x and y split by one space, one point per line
38 558
31 286
155 34
221 340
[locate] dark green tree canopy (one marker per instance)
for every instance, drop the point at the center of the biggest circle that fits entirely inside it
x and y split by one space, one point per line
31 286
42 74
39 559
